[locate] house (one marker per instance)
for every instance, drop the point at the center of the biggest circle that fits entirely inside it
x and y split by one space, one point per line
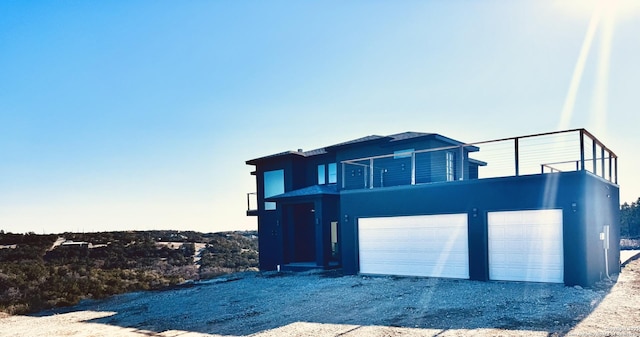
71 243
538 208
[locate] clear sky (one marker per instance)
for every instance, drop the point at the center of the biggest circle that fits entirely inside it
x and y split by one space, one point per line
118 115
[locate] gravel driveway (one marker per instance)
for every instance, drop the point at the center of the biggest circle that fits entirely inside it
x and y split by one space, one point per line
327 303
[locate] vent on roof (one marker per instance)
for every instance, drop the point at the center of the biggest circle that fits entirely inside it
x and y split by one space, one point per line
300 150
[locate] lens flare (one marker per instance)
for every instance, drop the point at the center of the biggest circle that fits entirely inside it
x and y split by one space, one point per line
603 15
578 70
601 85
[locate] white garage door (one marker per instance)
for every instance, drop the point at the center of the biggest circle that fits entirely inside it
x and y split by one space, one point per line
526 246
425 245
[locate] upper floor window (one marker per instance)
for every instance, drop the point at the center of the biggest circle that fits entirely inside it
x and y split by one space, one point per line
450 167
273 185
327 174
321 174
333 173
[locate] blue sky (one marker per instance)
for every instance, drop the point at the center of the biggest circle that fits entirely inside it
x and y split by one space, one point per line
140 114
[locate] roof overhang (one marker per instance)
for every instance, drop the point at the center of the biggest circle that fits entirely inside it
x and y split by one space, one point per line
470 148
274 156
306 192
477 162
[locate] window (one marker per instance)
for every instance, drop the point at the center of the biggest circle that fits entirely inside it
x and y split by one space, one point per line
334 239
327 174
333 173
403 153
273 185
450 166
321 174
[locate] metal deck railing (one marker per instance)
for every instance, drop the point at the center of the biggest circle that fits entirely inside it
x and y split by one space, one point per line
561 151
252 203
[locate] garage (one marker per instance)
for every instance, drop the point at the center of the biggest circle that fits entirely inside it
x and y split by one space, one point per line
421 245
526 246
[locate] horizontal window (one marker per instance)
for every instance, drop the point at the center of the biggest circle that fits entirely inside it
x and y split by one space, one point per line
403 153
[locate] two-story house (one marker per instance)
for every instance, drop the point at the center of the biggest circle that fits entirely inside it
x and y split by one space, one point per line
547 209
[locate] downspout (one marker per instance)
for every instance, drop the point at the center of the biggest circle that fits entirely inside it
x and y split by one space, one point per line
605 238
606 263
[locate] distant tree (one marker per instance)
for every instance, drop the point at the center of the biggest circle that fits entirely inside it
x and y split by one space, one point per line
630 219
35 276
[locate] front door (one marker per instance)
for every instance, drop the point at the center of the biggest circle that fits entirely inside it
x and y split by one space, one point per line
304 236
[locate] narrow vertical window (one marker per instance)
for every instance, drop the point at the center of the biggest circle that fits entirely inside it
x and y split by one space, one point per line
450 169
334 239
273 185
321 174
333 173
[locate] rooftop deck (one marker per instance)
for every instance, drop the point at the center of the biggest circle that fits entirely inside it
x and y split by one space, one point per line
562 151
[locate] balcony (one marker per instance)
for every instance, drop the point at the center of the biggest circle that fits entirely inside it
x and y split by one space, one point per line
252 204
562 151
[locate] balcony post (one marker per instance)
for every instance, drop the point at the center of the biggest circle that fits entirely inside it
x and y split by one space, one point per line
602 161
413 168
616 168
582 149
517 155
610 161
595 160
461 163
370 172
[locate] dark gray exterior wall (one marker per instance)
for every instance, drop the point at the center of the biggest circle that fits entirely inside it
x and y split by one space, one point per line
299 172
602 207
270 239
588 202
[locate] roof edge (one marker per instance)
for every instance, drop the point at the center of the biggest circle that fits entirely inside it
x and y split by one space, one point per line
273 156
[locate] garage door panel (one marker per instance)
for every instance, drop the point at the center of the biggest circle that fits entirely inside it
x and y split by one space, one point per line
431 245
526 246
531 275
418 268
415 254
405 269
417 263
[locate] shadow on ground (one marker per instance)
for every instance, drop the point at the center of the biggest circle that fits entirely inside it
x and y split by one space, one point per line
253 303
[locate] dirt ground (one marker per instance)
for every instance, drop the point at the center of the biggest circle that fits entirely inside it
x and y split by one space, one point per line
330 304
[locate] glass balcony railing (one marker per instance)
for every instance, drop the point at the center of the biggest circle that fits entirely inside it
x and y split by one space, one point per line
562 151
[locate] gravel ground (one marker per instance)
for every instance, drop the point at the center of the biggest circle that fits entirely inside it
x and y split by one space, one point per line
329 304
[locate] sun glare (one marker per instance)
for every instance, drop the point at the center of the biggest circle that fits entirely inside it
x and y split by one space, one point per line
604 13
578 70
622 9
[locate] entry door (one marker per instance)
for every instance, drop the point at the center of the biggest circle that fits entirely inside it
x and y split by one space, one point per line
423 245
526 246
304 233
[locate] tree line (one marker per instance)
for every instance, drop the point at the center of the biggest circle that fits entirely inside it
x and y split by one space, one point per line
34 277
630 220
